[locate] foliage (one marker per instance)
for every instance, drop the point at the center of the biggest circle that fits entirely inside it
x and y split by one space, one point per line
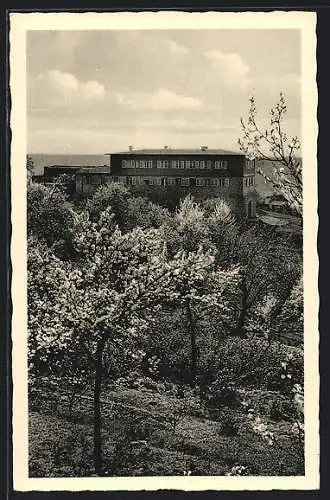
149 446
110 195
169 342
195 224
270 266
290 321
110 293
29 168
230 422
118 274
130 301
269 263
50 217
129 211
274 145
143 213
29 164
237 363
187 229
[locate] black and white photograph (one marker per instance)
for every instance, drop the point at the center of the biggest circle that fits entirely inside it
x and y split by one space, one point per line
164 250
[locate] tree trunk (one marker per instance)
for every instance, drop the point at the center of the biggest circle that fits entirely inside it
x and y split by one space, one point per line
244 309
193 344
98 460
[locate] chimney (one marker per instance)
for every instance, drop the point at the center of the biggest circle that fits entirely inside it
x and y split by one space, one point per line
203 148
130 149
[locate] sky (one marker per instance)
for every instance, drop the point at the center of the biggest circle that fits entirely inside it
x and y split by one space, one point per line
92 92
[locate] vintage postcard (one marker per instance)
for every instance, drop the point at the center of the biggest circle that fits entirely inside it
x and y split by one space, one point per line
164 251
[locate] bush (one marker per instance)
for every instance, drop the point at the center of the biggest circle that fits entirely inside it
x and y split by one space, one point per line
230 422
282 409
249 362
129 459
220 395
169 342
58 448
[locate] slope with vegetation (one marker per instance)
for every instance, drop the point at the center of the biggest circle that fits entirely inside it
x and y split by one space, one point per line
161 342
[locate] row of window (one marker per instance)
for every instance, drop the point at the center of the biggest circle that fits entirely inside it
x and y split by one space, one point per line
194 164
96 179
250 164
173 181
165 181
249 181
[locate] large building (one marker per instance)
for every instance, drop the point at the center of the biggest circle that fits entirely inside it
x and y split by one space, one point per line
202 172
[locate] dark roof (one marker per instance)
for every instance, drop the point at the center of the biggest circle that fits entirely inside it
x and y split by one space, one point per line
53 170
63 166
94 170
272 196
170 151
74 167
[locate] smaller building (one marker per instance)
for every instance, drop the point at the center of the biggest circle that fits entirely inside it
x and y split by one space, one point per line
89 179
274 203
67 175
273 211
54 171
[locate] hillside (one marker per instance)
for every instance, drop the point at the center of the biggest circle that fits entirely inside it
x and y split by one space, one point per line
148 431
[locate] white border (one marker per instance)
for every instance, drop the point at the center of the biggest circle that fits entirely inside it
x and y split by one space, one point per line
20 23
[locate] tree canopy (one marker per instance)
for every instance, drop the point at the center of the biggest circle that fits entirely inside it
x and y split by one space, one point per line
274 145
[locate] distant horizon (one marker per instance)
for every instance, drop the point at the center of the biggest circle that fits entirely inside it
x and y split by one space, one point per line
64 154
231 150
297 156
138 147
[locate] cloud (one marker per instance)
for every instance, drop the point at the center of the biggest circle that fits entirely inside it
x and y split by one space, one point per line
232 68
55 89
288 84
176 48
267 93
166 100
61 88
154 87
161 100
119 99
181 126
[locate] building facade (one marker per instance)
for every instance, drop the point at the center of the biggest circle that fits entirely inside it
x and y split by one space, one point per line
202 172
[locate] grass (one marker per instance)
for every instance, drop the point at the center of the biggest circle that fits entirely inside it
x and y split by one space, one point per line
146 433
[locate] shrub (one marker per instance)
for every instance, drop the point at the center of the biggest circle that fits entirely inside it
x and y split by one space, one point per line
129 459
169 342
282 409
230 422
249 362
255 454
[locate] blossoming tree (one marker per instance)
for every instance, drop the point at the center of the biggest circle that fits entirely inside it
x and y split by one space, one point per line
192 228
274 145
107 296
